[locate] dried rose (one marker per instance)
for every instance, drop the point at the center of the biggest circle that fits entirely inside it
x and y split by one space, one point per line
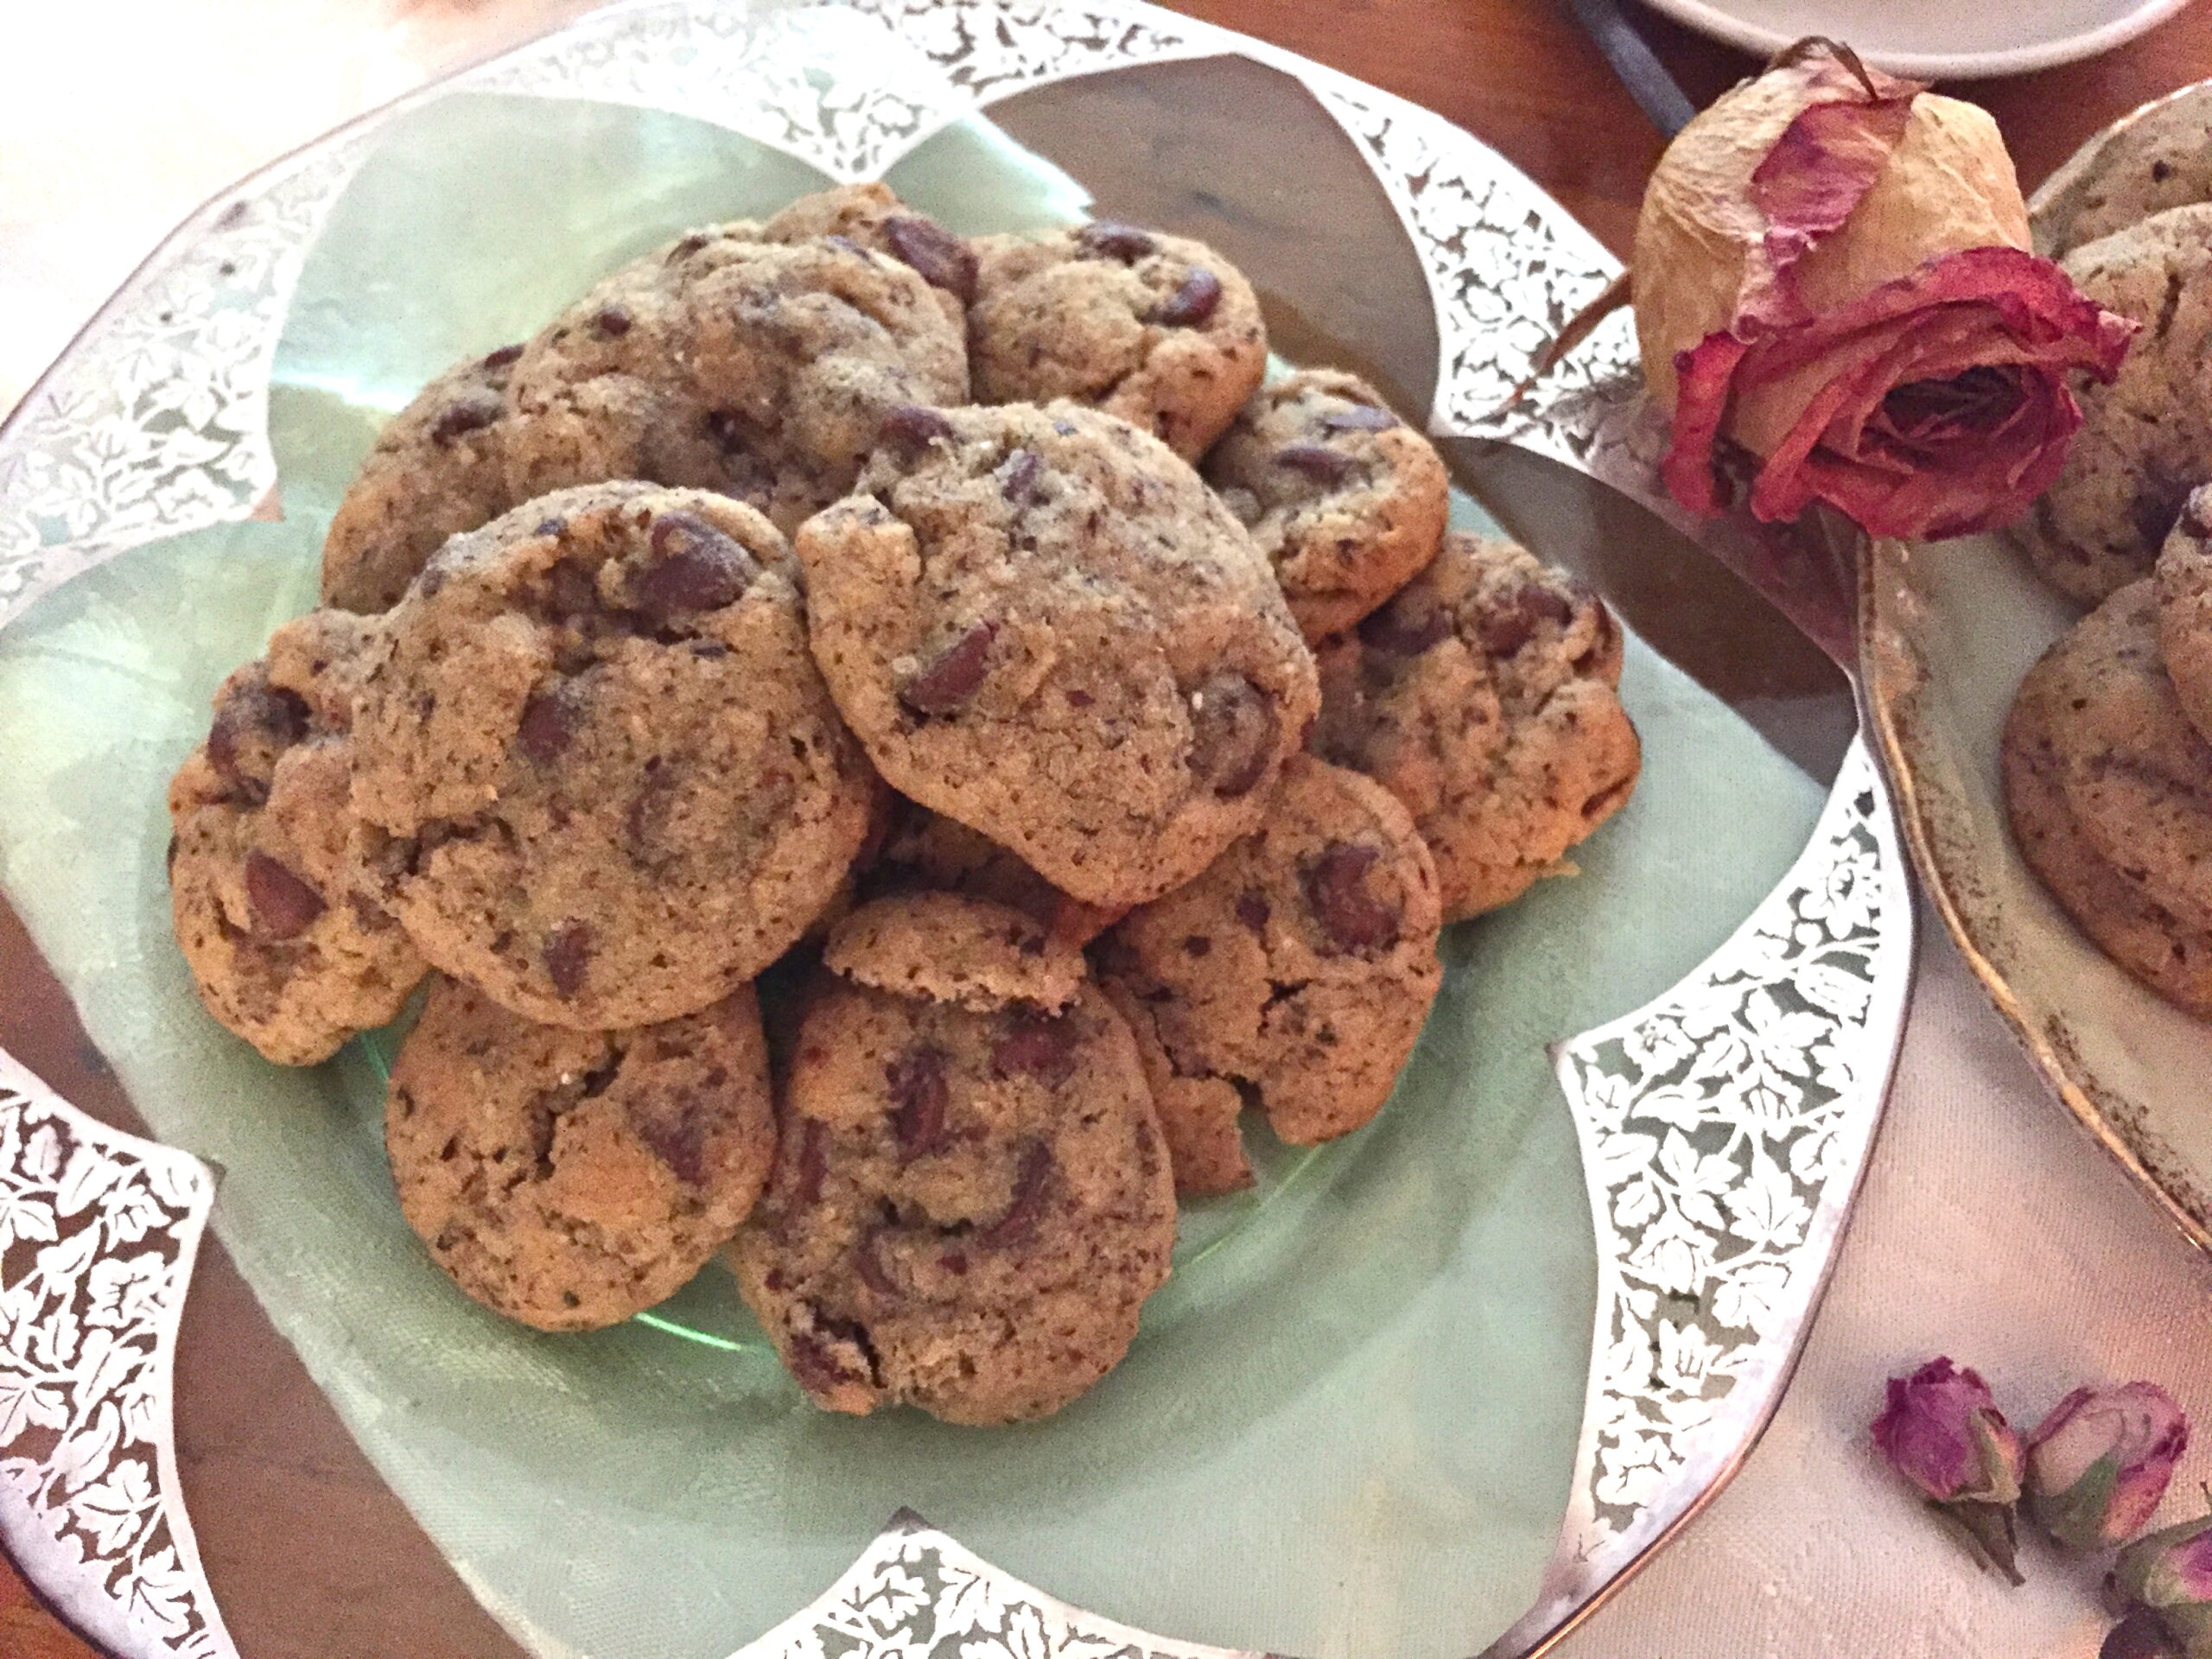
1832 276
2098 1463
2171 1572
1940 1430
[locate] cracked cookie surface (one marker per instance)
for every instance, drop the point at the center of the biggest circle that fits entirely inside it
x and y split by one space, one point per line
1157 329
597 772
279 921
969 1208
570 1179
1293 976
1483 697
1042 624
1345 499
753 360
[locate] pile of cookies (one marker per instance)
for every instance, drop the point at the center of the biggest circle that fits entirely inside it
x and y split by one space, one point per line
832 604
2107 771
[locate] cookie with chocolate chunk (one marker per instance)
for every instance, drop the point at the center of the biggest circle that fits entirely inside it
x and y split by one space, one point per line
1345 499
970 1204
1293 976
753 364
1157 329
2137 775
570 1179
597 772
2170 955
1044 625
279 922
2146 438
1483 697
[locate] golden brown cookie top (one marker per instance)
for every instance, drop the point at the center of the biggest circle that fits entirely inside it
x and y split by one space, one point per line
1483 697
597 774
1295 975
570 1179
1044 625
1157 329
968 1209
1346 500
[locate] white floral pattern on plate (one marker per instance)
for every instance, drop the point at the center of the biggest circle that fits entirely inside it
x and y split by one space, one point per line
915 1593
98 1234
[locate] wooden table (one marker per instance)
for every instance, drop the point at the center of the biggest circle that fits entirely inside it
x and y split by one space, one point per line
1515 73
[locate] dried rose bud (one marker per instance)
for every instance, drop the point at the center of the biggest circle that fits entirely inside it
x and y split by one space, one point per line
1942 1431
1832 273
2170 1572
2098 1463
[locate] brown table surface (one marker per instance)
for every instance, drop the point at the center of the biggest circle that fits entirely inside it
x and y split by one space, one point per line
1515 73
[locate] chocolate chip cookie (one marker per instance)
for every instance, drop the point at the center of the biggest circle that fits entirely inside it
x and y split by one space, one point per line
967 1208
2183 575
2146 438
596 773
279 920
1293 976
1344 498
570 1178
1044 625
2137 775
2161 160
1157 329
728 361
2142 935
1483 697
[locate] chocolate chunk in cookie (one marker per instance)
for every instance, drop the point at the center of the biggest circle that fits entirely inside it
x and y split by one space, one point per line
1293 976
1157 329
598 773
2146 438
969 1206
1345 499
1483 697
279 922
570 1179
1094 669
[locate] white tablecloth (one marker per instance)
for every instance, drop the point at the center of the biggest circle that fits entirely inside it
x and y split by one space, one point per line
1992 1229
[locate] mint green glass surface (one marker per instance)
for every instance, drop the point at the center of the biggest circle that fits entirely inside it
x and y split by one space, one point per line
1348 1421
